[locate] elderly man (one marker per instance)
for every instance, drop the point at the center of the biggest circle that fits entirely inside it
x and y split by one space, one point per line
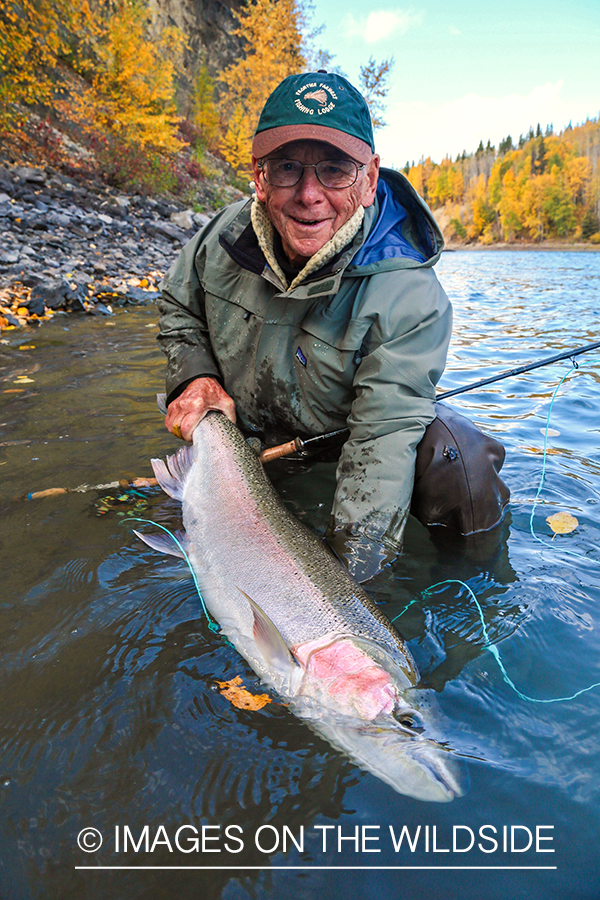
314 307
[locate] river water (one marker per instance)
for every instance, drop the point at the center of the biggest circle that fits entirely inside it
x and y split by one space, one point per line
110 714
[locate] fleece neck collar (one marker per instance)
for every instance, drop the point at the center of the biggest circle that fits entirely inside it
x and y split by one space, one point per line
263 229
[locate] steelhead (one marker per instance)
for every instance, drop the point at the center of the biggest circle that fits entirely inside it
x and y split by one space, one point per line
294 613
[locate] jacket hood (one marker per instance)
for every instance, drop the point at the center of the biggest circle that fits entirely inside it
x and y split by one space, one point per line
402 226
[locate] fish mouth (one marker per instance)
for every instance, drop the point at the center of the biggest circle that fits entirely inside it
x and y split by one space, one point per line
435 774
411 763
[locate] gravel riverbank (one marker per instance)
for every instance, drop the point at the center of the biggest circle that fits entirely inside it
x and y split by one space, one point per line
69 244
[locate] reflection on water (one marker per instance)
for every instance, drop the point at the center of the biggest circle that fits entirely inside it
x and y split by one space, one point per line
110 713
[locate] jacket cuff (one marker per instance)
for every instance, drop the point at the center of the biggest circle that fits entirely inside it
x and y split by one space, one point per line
363 556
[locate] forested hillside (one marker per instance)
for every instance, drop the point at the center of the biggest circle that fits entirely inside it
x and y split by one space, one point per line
139 87
545 188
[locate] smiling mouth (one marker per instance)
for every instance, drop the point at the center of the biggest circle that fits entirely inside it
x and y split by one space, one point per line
308 222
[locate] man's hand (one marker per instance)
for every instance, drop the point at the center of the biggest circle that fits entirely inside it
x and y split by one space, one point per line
191 406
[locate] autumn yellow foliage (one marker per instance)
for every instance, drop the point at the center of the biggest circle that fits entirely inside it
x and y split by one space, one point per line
128 86
273 34
546 188
206 115
34 36
239 696
131 95
562 523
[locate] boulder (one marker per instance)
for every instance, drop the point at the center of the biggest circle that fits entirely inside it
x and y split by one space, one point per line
35 305
34 176
185 219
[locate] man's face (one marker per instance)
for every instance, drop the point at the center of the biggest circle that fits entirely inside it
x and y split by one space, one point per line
307 215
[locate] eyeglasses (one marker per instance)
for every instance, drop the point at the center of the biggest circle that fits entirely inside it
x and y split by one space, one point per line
335 174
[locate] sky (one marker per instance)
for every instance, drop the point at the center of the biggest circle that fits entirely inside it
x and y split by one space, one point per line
467 71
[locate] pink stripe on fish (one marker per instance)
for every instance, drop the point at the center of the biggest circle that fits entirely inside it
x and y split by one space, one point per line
345 672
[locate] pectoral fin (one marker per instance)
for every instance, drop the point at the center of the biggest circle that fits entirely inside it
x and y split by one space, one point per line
268 639
165 543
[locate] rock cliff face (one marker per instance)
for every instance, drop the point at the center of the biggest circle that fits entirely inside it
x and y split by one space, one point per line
208 27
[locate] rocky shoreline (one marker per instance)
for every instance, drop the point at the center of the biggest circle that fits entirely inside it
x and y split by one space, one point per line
69 243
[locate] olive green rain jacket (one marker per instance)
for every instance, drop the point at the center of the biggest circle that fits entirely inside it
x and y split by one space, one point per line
359 346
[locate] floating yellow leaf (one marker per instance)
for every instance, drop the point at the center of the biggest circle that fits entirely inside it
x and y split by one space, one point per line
237 694
27 347
562 523
23 379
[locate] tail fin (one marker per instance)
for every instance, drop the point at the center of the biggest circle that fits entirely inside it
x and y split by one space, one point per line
172 475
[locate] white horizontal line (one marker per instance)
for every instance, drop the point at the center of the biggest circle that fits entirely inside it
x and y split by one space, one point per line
320 868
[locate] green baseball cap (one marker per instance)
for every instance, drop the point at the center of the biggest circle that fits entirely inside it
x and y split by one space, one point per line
317 106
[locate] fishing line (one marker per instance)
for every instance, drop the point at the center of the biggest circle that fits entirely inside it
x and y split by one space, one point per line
491 647
488 644
574 366
214 627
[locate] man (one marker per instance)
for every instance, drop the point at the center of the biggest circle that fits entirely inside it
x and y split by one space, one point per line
314 307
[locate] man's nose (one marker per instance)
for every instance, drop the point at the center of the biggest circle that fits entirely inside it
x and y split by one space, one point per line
309 188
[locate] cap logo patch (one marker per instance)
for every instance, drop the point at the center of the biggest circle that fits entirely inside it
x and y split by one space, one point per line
319 96
315 98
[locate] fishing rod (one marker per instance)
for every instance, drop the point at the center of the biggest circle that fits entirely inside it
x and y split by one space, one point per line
123 484
298 444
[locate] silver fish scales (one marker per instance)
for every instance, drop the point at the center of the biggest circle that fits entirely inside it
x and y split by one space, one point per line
294 613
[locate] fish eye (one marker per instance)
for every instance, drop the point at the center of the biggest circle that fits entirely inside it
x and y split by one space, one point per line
409 719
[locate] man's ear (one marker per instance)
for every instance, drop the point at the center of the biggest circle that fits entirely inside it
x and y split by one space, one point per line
258 180
371 178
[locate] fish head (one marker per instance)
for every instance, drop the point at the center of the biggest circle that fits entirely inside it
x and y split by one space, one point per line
399 749
364 702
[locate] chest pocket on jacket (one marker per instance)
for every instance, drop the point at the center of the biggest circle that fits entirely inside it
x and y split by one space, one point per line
332 349
234 315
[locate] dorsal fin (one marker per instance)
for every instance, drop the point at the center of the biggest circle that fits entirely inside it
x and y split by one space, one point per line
172 475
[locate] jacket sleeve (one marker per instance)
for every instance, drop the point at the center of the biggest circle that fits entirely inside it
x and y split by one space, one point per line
184 335
404 357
